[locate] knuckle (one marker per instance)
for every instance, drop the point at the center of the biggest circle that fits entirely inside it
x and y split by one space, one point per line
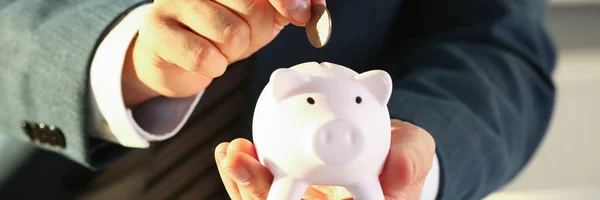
204 54
200 55
237 31
157 61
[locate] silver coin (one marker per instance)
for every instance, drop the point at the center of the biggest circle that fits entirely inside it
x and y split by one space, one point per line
318 28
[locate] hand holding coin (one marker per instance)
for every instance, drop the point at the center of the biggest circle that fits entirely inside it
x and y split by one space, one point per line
316 20
183 45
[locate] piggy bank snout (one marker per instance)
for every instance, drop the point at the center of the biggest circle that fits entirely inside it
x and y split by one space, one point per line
338 142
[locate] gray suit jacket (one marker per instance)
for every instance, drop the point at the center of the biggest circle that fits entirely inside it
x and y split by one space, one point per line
475 74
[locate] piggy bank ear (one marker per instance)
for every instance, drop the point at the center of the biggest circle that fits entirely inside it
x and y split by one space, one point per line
378 82
284 81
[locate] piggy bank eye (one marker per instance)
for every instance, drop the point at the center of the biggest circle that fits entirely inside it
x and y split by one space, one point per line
358 100
310 100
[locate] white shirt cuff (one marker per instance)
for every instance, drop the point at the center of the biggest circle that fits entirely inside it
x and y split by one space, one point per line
156 119
432 182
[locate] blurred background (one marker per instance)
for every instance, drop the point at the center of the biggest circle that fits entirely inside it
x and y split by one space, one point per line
567 165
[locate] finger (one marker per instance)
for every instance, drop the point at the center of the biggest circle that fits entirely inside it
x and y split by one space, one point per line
179 46
242 145
296 11
252 178
230 185
410 159
398 171
264 21
280 23
173 48
258 14
229 32
315 192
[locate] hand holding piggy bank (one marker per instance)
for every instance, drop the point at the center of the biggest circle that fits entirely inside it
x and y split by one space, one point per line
323 124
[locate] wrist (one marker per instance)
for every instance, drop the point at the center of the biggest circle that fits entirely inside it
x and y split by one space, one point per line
134 91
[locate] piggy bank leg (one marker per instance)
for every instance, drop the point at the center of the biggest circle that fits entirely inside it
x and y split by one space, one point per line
366 190
287 188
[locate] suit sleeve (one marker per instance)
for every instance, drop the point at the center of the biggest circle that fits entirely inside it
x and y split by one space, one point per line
47 48
477 76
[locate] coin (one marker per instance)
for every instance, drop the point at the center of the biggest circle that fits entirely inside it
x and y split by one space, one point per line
318 28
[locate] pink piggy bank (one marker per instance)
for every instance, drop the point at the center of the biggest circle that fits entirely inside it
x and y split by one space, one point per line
323 124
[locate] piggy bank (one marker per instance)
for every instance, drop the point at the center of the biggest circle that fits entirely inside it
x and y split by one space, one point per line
323 124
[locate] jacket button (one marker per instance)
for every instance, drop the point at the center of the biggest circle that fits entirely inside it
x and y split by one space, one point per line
43 134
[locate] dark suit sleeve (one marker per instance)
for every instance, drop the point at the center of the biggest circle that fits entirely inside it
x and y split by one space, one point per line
45 54
477 76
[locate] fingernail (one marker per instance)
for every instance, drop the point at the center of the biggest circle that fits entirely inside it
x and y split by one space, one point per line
299 11
239 175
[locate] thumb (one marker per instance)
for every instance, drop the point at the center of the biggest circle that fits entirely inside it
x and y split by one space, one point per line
410 159
252 178
296 11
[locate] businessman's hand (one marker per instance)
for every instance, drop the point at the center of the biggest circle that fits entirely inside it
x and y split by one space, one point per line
411 155
183 45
